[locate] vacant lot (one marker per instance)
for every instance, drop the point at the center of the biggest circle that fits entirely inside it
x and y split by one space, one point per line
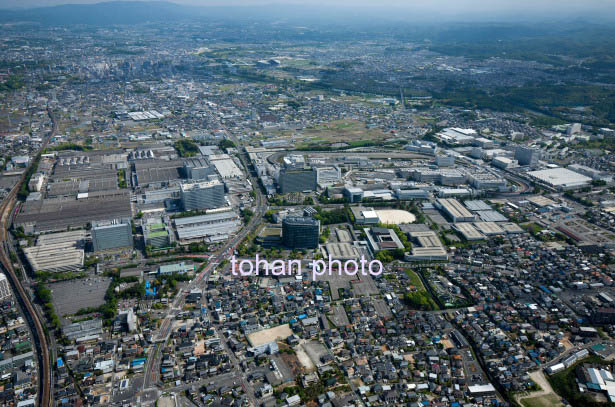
339 317
304 359
277 333
315 351
549 400
352 132
545 397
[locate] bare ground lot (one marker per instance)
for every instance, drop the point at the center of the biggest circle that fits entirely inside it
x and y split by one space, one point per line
360 284
544 397
382 309
277 333
315 350
339 316
395 216
304 359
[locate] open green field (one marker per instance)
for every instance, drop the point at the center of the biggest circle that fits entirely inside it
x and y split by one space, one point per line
352 132
548 400
415 280
419 298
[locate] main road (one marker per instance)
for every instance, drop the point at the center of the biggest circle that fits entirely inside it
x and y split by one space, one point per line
36 326
152 368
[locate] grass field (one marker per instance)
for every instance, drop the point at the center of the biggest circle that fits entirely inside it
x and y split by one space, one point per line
419 298
353 132
548 400
415 280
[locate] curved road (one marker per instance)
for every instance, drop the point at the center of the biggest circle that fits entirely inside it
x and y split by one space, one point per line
36 327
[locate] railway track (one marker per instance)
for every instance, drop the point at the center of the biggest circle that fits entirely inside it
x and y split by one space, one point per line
36 326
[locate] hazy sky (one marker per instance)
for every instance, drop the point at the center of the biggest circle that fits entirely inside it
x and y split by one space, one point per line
544 8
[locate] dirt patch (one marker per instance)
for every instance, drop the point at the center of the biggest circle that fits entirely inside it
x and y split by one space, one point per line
166 402
409 358
278 333
567 344
395 216
295 367
446 343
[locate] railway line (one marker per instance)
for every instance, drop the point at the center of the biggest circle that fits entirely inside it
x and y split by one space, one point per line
36 326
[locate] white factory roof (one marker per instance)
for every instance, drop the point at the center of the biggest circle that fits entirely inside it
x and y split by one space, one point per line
227 168
510 227
560 177
469 232
428 253
488 228
205 219
55 257
369 214
196 185
454 208
218 224
481 388
145 115
477 205
73 236
491 216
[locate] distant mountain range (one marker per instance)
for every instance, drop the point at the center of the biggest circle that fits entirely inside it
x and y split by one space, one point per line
115 12
137 12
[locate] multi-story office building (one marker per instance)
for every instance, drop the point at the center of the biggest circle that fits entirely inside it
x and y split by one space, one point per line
527 156
300 232
5 290
202 195
156 235
297 180
115 234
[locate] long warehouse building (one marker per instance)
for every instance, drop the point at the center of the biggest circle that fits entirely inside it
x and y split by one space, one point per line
455 210
212 227
57 252
57 214
430 247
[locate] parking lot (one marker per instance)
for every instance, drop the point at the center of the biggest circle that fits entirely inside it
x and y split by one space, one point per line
73 295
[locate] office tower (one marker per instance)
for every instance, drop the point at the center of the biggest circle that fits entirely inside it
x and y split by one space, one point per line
156 235
111 235
527 156
300 232
297 180
202 195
